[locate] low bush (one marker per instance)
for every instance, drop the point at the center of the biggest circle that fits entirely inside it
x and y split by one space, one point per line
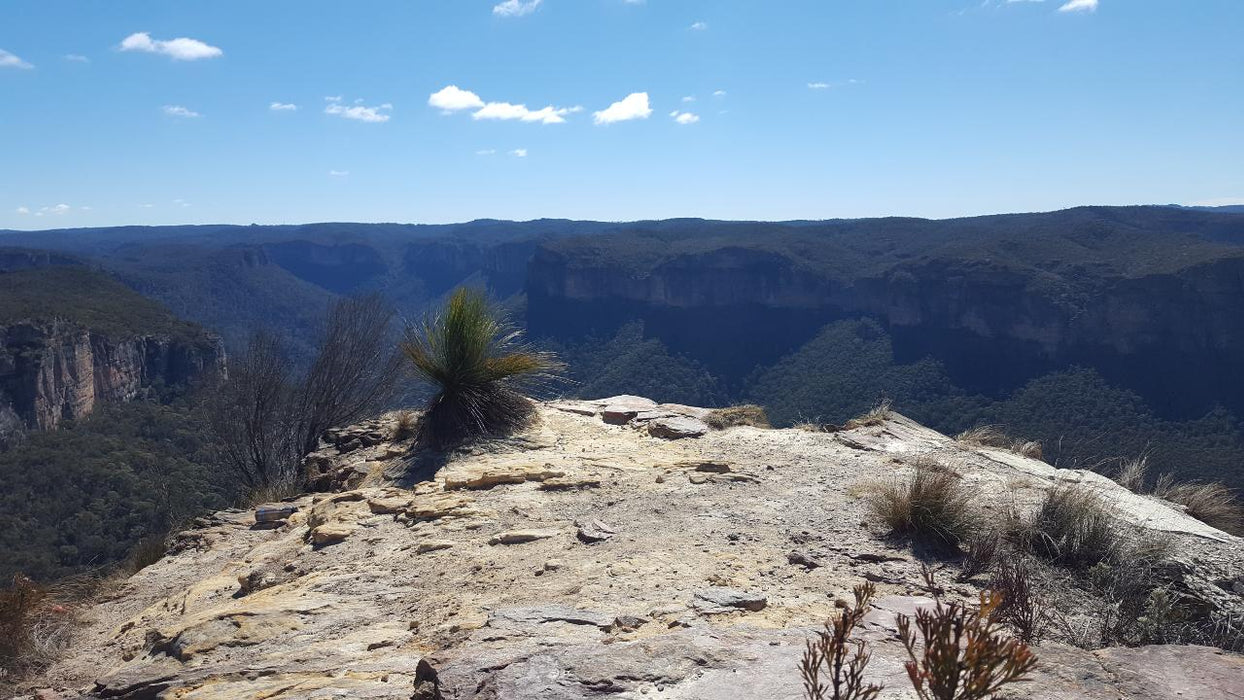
841 661
933 505
744 414
1019 606
960 653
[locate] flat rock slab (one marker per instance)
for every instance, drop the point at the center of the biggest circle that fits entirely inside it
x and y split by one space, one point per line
521 536
677 427
594 531
550 613
721 600
1184 672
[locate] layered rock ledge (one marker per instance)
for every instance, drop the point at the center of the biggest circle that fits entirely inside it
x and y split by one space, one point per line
590 556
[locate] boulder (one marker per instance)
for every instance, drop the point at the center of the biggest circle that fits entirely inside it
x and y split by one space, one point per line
677 427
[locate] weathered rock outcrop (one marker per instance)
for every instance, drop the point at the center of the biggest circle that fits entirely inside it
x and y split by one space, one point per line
55 370
586 558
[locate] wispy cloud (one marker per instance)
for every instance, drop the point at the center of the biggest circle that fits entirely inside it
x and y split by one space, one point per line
54 210
283 107
719 93
684 118
633 106
821 85
358 111
76 58
1079 6
338 173
519 152
699 26
179 49
452 99
8 60
486 152
179 111
515 8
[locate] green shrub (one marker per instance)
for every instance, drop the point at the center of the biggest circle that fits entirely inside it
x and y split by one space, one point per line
477 366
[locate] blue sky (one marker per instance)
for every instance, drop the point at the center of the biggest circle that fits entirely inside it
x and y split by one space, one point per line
169 111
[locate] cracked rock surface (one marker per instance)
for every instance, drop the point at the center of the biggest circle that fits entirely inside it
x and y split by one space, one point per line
586 557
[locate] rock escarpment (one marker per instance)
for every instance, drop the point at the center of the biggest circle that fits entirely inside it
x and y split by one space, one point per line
56 370
589 557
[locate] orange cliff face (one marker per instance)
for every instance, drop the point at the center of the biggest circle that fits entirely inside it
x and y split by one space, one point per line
53 371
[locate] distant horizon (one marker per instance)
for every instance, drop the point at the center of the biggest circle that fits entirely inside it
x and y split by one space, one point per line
1229 209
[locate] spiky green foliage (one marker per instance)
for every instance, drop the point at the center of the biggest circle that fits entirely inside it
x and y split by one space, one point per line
478 365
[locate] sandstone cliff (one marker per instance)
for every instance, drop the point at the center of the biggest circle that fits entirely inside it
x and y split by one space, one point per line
56 370
589 557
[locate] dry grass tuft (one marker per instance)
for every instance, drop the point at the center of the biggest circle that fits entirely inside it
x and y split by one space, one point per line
932 505
1072 528
1211 503
275 492
1132 473
876 415
745 414
994 436
406 426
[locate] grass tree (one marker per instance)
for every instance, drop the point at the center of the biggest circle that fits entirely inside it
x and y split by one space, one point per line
479 367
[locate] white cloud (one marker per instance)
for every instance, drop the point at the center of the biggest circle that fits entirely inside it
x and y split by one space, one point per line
358 112
486 152
699 26
685 118
719 93
633 106
8 60
76 58
147 206
181 203
283 107
179 111
1079 6
689 98
23 210
338 173
515 8
818 86
506 111
519 152
179 49
452 98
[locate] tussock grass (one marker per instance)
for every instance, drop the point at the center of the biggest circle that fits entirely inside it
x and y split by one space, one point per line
1212 503
478 366
1072 528
744 414
406 425
876 415
1132 473
994 436
932 505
